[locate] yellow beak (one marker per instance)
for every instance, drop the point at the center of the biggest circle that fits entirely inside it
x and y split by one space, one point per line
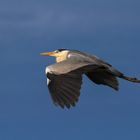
47 53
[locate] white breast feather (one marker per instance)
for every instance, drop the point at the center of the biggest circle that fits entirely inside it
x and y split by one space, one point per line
47 70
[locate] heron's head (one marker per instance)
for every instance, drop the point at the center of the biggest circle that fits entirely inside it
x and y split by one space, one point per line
60 54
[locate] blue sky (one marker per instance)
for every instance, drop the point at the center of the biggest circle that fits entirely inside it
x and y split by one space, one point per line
109 29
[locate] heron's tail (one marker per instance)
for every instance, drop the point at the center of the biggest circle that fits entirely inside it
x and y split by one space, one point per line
131 79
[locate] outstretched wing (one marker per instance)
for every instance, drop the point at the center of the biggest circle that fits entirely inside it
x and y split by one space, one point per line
65 79
65 88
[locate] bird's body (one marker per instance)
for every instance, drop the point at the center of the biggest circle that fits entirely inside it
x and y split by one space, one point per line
65 76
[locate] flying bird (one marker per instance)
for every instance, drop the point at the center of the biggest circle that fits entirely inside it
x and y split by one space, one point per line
64 78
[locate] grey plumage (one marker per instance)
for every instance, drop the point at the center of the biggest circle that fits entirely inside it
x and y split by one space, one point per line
65 77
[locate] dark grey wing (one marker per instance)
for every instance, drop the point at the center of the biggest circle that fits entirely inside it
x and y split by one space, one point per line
108 76
104 77
65 79
65 88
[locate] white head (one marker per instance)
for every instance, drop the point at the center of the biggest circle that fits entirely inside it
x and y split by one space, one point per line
60 54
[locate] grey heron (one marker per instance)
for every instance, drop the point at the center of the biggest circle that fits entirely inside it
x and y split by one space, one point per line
64 78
